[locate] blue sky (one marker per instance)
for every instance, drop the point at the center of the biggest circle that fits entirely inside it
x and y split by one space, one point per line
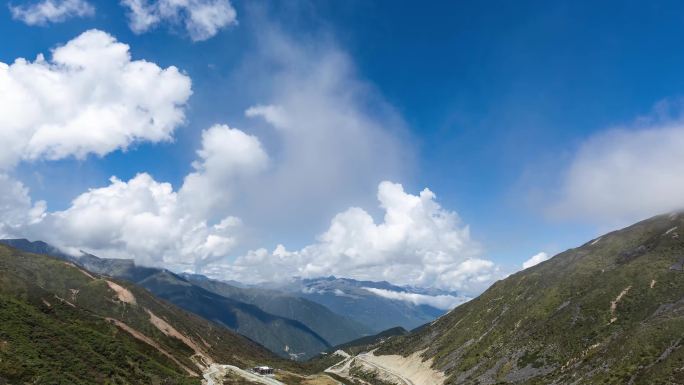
492 103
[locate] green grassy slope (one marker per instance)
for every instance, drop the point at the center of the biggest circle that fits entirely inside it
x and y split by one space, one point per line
60 324
608 312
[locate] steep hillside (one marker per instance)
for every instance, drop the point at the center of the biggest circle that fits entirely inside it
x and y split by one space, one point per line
334 328
283 336
610 311
286 337
61 324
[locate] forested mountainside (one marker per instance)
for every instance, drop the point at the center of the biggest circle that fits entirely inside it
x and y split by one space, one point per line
61 324
300 337
334 328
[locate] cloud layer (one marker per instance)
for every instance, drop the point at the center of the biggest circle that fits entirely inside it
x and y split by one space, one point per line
227 156
143 218
418 243
201 19
330 136
51 11
535 259
442 301
331 140
623 175
91 98
16 209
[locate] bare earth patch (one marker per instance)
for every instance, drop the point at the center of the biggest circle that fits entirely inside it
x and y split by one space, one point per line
123 294
613 304
87 274
136 334
64 301
74 293
170 331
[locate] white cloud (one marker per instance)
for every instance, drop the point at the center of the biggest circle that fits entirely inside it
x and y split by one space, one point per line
332 137
202 19
90 99
442 301
535 259
140 218
16 208
51 11
418 243
623 175
145 219
333 140
226 155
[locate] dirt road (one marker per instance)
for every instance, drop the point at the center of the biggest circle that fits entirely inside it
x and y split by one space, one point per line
399 377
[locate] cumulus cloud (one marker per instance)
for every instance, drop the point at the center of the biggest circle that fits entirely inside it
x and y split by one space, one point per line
142 218
535 259
226 155
442 301
202 19
51 11
624 175
91 98
16 208
418 243
333 140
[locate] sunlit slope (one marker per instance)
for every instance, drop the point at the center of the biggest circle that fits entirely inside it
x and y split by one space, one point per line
610 311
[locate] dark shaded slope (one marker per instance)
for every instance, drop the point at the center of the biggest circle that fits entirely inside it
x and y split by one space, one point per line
334 328
349 297
281 335
610 311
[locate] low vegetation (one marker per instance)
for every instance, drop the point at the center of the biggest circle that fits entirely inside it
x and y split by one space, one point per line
610 311
64 325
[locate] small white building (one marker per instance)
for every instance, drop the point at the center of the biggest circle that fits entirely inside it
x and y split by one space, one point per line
263 370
